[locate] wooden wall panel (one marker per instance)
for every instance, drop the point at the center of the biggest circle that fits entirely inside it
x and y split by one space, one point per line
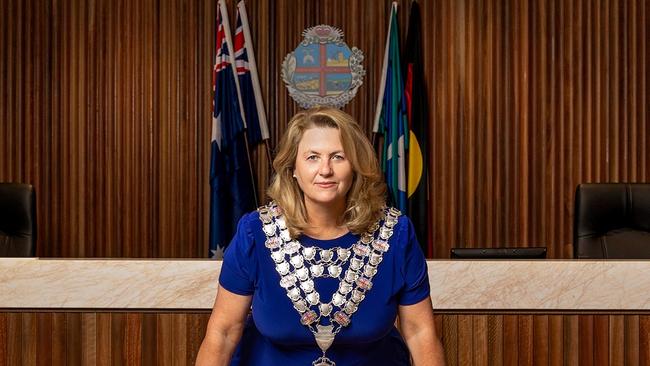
100 338
134 338
105 108
644 340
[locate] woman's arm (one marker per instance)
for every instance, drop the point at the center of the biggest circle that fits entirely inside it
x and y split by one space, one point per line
224 328
419 332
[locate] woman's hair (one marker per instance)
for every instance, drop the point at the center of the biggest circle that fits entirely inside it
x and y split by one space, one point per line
367 194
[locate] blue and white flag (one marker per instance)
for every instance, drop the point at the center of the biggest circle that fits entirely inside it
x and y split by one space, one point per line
249 84
391 118
232 192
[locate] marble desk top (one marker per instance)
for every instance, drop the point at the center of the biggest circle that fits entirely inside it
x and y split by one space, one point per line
551 285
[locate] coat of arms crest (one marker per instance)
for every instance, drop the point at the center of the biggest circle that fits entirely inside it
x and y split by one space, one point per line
323 70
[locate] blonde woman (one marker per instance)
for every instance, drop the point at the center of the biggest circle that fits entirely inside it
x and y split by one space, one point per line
325 265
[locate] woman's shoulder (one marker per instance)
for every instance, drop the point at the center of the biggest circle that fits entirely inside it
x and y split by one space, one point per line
402 219
403 227
251 220
247 226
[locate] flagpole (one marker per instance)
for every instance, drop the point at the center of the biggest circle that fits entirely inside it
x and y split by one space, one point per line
268 154
384 68
250 170
382 82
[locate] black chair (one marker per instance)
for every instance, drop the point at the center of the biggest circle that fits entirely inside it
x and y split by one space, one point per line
612 221
17 220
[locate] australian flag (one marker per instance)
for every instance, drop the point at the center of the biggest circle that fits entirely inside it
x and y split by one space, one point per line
249 84
232 192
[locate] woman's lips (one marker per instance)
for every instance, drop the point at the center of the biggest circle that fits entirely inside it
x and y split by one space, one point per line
326 185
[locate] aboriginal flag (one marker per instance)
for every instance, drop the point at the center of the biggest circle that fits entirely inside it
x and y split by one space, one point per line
417 111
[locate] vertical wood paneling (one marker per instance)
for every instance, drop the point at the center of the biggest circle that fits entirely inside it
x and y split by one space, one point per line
134 338
77 345
4 91
196 326
644 340
525 340
450 339
587 334
4 342
480 340
104 343
601 338
117 334
149 339
29 339
58 339
179 326
465 340
94 155
105 108
44 330
571 335
15 329
631 345
510 340
556 344
616 340
540 347
495 340
557 58
165 343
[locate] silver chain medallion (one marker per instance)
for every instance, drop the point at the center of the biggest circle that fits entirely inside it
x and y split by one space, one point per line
323 361
298 266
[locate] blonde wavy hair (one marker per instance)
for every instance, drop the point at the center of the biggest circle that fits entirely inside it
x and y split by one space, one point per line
367 194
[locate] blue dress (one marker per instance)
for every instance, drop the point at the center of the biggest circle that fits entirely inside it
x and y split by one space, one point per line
274 335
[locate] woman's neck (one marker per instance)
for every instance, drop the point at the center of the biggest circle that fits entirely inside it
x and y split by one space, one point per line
325 221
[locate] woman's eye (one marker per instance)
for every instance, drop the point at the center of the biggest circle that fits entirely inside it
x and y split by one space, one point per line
338 157
312 157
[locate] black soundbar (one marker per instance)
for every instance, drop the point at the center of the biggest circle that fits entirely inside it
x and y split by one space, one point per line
499 253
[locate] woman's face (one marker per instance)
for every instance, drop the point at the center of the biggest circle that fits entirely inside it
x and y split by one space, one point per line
323 171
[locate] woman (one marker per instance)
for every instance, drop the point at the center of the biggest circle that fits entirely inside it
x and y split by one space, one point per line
325 266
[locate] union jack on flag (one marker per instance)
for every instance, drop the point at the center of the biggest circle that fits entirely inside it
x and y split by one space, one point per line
249 84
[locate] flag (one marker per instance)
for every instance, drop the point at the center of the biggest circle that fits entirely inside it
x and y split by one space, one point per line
390 118
416 106
232 193
249 84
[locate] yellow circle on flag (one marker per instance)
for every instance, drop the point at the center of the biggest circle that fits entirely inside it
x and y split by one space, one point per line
415 164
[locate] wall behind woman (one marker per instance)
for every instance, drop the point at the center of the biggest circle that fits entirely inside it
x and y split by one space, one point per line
105 107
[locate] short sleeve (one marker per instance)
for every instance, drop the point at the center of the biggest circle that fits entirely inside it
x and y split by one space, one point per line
238 267
413 267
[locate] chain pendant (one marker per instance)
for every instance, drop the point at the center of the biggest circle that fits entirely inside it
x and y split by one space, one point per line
323 361
324 338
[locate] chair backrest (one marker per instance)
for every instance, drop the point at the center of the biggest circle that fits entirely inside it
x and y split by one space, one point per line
17 220
612 220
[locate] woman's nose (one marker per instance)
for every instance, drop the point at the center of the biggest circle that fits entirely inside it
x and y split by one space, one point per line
325 168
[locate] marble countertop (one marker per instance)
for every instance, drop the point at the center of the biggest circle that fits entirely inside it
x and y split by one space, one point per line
551 285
